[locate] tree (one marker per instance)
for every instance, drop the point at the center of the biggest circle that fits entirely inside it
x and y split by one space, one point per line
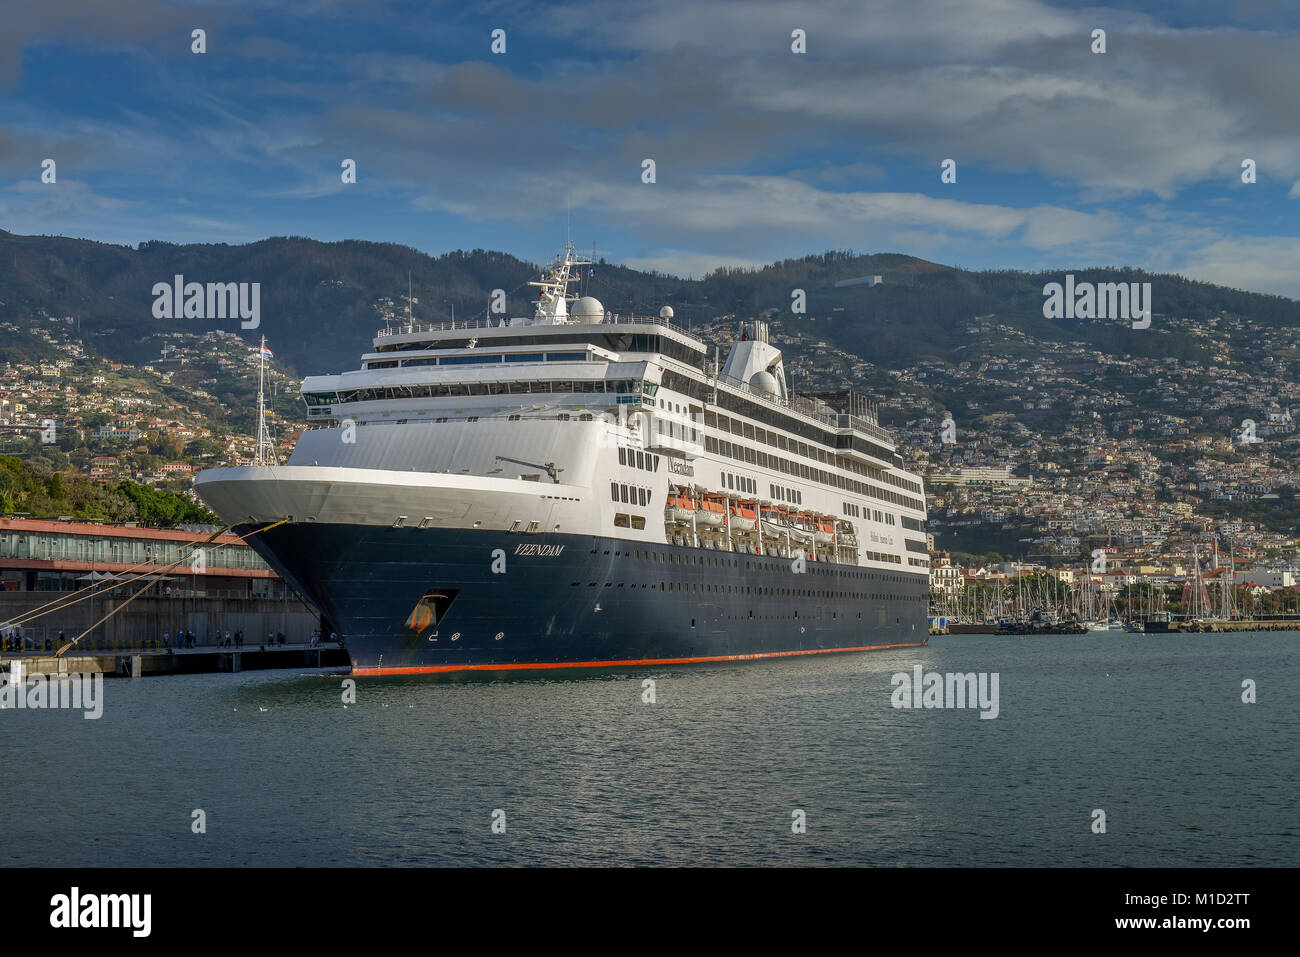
157 508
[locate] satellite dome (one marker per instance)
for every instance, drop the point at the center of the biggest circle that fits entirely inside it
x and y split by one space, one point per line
666 312
588 307
763 381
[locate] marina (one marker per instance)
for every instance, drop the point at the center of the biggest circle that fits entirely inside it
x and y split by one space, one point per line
1173 627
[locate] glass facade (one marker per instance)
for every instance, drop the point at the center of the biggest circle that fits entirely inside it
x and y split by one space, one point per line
68 547
548 386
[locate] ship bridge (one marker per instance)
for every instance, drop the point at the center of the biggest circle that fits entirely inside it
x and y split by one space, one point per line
557 318
405 345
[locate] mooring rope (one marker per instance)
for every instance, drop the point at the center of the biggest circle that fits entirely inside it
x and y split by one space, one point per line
66 601
60 652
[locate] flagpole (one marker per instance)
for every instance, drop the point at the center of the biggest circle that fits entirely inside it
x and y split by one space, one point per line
265 454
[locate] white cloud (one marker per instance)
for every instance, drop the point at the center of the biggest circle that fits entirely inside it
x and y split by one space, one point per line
1257 263
761 206
688 264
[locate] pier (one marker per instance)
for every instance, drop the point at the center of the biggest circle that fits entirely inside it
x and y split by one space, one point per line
1173 627
1207 627
141 662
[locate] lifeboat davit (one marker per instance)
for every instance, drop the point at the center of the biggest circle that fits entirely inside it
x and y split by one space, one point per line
801 528
824 532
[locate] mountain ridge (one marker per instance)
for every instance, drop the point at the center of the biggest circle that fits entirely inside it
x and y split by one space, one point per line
321 302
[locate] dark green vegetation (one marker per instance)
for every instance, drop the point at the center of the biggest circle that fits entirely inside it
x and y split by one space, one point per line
34 489
317 299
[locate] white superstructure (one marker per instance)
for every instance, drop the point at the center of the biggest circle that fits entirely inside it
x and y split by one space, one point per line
576 420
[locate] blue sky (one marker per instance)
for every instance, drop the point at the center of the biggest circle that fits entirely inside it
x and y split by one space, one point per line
1066 158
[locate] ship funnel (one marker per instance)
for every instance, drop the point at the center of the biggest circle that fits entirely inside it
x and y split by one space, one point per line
756 362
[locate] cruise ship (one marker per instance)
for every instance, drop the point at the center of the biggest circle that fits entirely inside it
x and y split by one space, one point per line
579 488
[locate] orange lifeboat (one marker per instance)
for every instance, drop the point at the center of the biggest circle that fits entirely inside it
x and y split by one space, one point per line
824 533
711 511
742 516
681 506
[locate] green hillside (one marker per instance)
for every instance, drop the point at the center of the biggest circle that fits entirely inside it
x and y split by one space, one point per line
318 300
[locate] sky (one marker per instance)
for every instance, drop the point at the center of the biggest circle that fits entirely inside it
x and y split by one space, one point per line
1065 158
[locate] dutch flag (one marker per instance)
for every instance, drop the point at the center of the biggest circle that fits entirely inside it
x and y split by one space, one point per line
266 352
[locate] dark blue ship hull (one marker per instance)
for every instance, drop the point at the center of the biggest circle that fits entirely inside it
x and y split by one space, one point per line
410 600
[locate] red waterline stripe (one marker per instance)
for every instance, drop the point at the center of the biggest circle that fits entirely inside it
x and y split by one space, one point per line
433 669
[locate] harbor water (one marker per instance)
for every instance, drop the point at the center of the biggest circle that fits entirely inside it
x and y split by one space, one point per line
722 768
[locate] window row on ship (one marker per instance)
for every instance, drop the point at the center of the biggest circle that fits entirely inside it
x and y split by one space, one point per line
477 359
620 343
778 440
841 573
808 473
686 385
631 387
622 387
705 392
436 390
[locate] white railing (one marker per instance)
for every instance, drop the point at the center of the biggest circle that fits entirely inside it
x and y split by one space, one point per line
389 332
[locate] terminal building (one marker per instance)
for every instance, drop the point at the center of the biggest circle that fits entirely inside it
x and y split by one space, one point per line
230 589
